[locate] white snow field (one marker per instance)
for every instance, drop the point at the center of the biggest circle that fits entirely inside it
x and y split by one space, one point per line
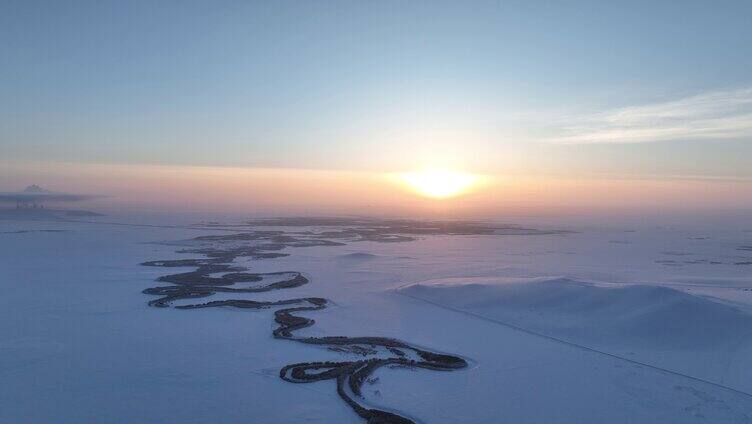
640 324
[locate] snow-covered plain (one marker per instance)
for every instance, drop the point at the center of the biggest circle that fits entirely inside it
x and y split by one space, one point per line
604 325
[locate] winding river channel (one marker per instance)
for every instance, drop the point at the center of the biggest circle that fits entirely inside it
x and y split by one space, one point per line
216 272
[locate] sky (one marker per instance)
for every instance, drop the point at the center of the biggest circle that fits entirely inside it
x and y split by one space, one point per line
558 92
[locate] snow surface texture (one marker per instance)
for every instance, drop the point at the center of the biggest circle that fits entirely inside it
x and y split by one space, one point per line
655 325
79 344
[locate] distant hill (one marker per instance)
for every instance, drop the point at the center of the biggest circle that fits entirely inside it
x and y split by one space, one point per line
35 189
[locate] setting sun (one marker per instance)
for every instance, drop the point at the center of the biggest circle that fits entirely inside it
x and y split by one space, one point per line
439 183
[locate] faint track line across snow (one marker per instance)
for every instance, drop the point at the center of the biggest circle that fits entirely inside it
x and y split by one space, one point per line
569 343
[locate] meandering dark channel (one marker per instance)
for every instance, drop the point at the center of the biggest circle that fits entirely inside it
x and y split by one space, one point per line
215 273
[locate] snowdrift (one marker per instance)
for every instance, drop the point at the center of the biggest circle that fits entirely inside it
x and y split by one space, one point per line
641 315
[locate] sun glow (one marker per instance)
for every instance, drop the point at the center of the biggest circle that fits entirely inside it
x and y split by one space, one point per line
439 183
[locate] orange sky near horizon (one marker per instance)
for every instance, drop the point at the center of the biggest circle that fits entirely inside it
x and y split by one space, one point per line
300 191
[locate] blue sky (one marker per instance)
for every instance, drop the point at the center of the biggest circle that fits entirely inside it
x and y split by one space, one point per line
570 88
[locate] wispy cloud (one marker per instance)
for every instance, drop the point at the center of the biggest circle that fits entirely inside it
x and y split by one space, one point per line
710 115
